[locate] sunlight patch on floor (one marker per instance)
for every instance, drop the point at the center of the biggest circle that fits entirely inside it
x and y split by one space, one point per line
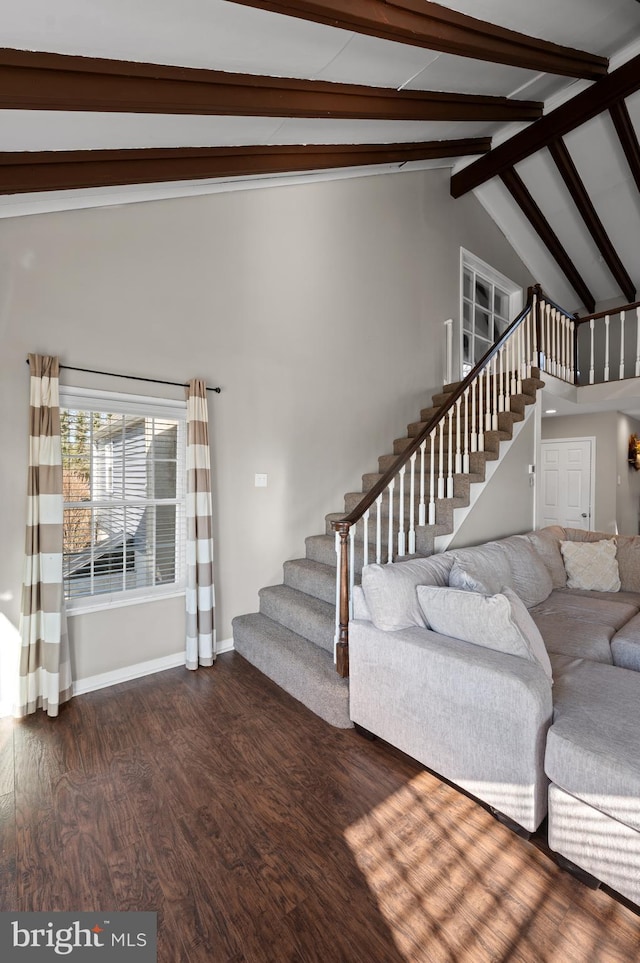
453 885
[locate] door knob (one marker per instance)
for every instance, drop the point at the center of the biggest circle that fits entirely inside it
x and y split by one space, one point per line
584 515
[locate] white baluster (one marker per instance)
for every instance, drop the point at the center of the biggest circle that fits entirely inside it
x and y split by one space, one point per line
390 488
421 508
638 342
379 528
458 468
474 427
480 414
432 485
465 457
441 460
401 533
606 348
352 566
448 376
572 352
338 584
450 456
365 535
487 384
527 344
621 369
592 356
548 364
412 505
494 415
520 353
501 379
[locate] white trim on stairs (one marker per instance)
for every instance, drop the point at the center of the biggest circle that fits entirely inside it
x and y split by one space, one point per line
442 542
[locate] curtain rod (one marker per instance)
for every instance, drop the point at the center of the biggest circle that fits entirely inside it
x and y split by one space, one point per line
113 374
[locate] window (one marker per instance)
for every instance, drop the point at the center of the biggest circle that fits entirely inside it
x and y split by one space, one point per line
124 502
490 302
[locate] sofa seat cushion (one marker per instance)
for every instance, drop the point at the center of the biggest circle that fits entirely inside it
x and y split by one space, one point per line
631 598
593 750
574 639
625 645
567 606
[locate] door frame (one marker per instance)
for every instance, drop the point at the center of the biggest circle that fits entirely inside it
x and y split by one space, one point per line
592 474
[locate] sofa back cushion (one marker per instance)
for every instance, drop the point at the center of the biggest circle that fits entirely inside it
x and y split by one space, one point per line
591 565
511 561
390 590
628 556
546 544
484 569
530 578
499 622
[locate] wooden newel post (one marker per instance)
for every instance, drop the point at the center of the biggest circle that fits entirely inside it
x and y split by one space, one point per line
342 648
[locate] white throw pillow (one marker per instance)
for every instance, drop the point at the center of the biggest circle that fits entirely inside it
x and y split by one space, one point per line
591 565
499 622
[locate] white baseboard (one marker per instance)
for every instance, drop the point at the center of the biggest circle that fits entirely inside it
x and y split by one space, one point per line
129 672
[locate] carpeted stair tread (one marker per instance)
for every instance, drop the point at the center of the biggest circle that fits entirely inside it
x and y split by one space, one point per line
301 668
311 577
305 615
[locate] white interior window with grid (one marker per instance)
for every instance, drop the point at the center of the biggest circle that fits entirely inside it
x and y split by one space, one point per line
123 462
490 302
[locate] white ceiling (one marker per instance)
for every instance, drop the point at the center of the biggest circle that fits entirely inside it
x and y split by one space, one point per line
221 35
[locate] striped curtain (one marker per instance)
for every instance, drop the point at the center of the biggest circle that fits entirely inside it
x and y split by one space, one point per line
45 669
200 648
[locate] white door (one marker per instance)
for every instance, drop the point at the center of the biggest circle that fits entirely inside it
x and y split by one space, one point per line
565 484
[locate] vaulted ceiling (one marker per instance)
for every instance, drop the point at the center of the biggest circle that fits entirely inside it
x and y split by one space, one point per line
535 107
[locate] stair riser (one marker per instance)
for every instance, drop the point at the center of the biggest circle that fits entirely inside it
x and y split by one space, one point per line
428 413
302 669
529 388
477 474
492 441
352 501
310 625
318 585
506 422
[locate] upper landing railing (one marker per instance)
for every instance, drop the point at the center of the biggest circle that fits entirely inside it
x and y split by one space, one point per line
408 495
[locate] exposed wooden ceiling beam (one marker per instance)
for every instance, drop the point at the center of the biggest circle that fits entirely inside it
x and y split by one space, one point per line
573 181
627 137
545 232
45 81
68 170
575 112
424 24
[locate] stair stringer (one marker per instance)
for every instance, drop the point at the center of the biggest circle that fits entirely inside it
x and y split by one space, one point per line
509 448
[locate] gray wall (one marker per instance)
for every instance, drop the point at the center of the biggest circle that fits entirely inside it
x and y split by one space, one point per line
506 505
318 308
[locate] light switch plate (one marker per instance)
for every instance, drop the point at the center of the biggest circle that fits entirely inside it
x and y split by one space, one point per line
261 481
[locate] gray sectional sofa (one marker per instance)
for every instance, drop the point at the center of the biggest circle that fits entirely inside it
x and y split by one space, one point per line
513 670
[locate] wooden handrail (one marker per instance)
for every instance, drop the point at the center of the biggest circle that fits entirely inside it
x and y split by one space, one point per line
381 485
609 313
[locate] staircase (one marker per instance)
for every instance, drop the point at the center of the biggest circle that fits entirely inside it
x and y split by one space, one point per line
291 639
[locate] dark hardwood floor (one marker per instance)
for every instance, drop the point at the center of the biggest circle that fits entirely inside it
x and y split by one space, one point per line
259 833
